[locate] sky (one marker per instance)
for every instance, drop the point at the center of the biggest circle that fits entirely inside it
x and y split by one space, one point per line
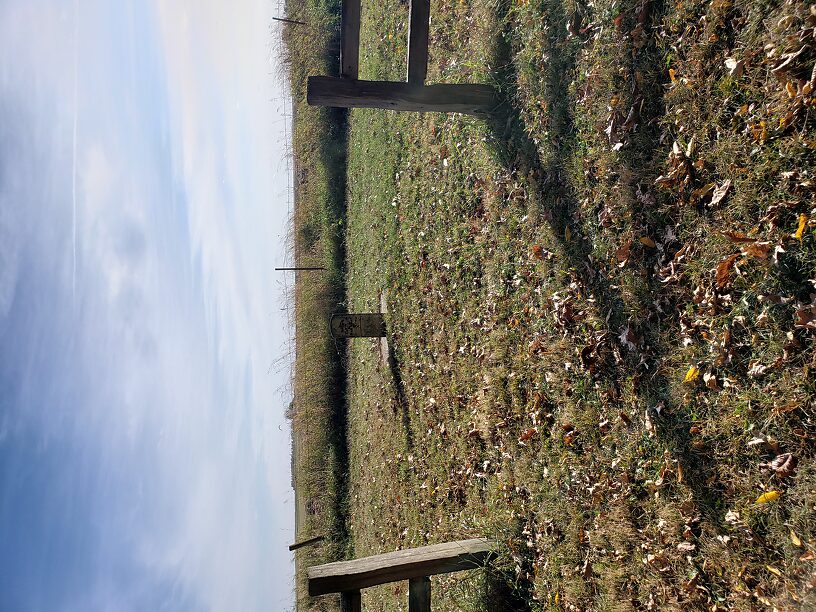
144 371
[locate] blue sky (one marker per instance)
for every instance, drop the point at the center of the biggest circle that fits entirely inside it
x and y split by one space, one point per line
144 456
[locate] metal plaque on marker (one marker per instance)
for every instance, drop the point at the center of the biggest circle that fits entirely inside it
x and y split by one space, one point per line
361 325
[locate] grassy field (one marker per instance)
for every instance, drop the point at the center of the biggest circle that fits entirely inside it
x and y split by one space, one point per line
600 306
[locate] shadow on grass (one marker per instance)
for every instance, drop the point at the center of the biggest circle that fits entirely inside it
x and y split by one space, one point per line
333 155
653 314
399 392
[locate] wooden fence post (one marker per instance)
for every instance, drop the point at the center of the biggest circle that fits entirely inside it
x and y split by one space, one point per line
351 601
418 27
350 39
419 594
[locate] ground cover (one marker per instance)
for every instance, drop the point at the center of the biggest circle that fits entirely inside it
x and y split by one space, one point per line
317 412
599 302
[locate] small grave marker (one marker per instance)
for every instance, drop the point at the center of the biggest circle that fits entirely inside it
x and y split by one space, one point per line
360 325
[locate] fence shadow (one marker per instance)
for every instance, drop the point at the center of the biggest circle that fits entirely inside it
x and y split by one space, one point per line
637 167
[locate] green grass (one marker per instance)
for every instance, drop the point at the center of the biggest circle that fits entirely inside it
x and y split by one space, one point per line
551 276
547 295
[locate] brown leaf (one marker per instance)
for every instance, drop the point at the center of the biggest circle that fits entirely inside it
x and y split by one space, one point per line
759 250
587 359
622 254
735 67
787 61
528 434
659 562
720 192
783 466
723 274
686 547
538 251
738 237
647 242
805 317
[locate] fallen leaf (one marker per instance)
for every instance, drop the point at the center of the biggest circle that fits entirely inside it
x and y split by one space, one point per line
528 434
567 234
648 242
692 375
723 274
795 539
759 250
659 562
788 60
622 254
806 317
775 571
770 496
756 369
800 231
720 192
738 237
783 466
538 251
735 67
808 556
686 547
672 75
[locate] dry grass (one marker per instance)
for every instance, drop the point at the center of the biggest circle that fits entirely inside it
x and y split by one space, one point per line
318 410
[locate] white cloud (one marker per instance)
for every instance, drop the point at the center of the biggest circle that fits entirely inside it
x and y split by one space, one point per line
148 367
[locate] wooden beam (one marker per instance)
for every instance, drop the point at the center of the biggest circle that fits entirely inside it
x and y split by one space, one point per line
350 39
419 594
418 41
350 601
451 98
400 565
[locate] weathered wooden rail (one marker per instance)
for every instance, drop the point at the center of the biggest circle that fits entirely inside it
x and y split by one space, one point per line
346 91
413 564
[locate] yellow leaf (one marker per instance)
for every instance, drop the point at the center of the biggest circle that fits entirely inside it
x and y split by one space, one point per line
795 539
768 497
790 89
646 241
672 75
692 375
800 231
775 571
